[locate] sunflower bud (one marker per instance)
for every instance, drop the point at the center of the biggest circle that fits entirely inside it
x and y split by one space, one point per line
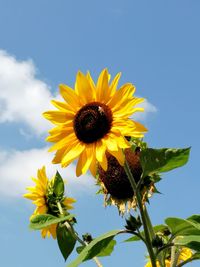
133 223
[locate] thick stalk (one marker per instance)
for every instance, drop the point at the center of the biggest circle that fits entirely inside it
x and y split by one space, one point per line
75 235
143 216
152 234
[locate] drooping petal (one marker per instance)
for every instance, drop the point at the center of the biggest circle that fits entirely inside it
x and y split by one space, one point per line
119 155
85 160
72 154
101 155
65 142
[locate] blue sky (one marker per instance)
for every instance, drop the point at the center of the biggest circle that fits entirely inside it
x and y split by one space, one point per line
155 44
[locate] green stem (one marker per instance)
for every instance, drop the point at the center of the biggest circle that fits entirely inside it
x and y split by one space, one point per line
143 215
152 234
174 256
75 235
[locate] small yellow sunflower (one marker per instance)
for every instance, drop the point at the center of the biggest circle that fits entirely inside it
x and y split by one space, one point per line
39 195
185 254
93 119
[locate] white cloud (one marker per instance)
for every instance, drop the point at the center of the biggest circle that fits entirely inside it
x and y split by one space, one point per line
23 97
148 108
16 168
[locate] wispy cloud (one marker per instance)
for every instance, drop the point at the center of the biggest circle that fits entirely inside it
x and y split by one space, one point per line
16 167
148 108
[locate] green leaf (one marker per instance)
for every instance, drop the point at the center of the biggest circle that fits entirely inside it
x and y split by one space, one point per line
180 226
157 228
58 186
134 238
190 241
39 222
107 250
194 218
162 160
65 239
96 247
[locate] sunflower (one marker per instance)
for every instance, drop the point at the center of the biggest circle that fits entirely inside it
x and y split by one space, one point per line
93 119
184 255
115 185
39 195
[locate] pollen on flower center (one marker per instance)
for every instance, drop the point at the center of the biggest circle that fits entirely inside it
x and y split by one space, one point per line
92 122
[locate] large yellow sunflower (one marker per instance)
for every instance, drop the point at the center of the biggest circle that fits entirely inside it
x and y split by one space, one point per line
39 195
93 119
184 255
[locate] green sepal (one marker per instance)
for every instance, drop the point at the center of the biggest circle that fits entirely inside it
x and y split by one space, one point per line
162 160
102 245
66 240
58 186
39 222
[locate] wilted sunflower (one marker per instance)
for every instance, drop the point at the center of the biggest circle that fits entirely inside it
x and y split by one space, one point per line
115 185
93 119
39 195
184 255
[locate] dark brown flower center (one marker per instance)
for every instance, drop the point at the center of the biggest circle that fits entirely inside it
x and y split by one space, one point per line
92 122
115 178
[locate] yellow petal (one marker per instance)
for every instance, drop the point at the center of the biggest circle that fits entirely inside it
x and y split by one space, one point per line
57 117
83 89
93 167
125 92
65 142
111 143
63 106
90 80
119 155
75 151
52 230
39 202
100 150
30 196
102 92
85 160
113 86
44 232
59 155
70 96
101 154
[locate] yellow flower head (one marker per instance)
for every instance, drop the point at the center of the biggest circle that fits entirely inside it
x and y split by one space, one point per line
39 195
93 119
184 255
